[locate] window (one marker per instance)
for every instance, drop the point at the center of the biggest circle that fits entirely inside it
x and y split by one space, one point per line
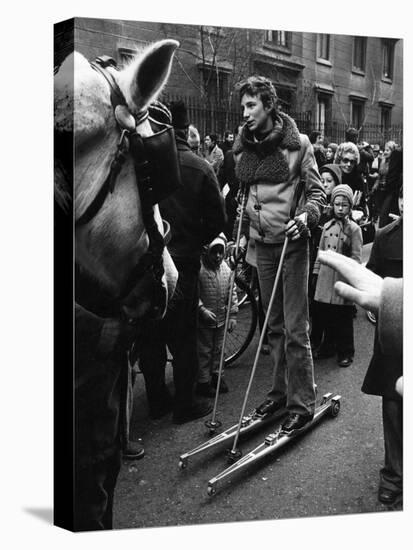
285 98
388 59
357 114
385 118
280 39
323 111
323 47
359 53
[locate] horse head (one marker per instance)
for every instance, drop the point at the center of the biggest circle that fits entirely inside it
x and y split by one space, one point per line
114 240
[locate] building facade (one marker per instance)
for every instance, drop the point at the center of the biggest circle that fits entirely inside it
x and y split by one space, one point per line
327 82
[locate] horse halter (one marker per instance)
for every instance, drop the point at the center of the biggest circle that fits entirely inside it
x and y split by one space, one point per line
144 152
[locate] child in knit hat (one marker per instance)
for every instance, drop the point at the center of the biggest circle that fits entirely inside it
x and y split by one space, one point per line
343 235
330 177
214 278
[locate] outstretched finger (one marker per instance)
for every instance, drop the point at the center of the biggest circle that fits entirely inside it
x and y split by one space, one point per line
360 297
347 267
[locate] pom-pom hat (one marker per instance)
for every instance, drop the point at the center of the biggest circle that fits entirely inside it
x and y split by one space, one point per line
342 190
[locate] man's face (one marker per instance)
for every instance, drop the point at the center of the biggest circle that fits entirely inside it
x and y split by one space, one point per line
208 141
320 140
230 138
256 116
348 162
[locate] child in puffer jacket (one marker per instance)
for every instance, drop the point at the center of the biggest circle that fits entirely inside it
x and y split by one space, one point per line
342 235
214 279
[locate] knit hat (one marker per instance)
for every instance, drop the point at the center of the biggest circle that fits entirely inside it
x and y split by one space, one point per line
334 170
344 191
221 240
180 118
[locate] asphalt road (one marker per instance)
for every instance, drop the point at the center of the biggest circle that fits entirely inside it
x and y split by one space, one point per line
332 469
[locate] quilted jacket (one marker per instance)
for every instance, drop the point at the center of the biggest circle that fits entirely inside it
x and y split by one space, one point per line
213 293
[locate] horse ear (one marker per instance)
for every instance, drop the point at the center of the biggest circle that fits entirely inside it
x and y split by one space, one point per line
150 73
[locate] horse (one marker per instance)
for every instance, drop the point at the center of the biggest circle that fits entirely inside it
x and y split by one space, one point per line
110 244
113 163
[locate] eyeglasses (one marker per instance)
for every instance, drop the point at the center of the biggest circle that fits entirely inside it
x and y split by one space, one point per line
341 204
348 161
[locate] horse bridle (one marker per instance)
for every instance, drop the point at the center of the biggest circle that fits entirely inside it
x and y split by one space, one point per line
133 143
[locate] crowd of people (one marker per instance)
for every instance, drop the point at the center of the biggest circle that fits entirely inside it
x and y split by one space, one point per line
345 186
301 190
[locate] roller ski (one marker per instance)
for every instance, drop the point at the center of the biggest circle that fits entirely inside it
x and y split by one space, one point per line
250 423
274 441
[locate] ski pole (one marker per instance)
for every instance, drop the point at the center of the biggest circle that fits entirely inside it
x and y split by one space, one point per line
235 453
213 424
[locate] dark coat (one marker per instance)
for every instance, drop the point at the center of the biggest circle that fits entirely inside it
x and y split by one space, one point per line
101 378
386 259
196 210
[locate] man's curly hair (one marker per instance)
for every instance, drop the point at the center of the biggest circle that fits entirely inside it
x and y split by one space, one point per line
259 86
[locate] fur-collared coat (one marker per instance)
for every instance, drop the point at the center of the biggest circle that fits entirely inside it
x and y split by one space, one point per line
344 237
272 168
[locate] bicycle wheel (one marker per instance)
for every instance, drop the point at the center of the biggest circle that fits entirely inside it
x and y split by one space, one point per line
244 273
238 340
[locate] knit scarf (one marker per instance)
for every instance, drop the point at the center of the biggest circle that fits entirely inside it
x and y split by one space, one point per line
264 160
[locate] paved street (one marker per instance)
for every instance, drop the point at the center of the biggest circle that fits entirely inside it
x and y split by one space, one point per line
333 469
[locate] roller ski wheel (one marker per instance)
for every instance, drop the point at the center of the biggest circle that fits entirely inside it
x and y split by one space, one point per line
211 491
329 406
183 464
335 407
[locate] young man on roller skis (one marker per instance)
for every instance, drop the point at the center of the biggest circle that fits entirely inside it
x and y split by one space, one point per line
272 159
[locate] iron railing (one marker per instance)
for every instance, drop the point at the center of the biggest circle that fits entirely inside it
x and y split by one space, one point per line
214 118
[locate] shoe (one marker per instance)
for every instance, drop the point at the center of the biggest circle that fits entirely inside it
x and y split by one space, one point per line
197 410
269 407
345 362
295 422
223 388
133 451
205 389
386 496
